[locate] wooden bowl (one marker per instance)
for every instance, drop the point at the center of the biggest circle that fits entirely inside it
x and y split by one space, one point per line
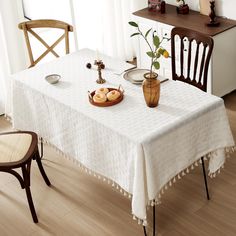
107 103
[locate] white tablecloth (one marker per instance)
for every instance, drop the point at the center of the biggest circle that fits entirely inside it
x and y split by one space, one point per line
139 148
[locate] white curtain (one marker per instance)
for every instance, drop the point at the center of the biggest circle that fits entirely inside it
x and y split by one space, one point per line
3 69
12 56
103 25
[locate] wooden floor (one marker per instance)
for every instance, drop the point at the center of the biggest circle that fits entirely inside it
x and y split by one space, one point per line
80 205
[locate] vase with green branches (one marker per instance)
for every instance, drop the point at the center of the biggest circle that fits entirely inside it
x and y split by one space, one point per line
151 85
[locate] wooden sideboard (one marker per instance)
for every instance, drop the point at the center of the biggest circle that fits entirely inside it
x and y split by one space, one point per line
222 70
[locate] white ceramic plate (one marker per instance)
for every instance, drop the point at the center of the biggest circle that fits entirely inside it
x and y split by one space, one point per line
135 76
52 79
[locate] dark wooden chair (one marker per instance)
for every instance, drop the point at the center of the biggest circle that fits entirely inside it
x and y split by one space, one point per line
17 149
28 26
196 57
194 52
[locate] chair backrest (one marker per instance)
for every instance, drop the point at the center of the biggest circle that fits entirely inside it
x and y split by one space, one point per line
33 24
192 51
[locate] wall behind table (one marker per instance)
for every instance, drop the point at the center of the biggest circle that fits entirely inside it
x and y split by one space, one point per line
226 8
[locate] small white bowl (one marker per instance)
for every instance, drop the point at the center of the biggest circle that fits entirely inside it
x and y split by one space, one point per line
53 78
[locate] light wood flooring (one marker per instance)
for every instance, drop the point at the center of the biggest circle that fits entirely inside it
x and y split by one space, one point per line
78 204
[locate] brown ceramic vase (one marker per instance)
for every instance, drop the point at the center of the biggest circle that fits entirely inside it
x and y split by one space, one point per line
151 89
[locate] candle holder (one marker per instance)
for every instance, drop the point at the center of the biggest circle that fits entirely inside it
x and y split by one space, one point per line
212 15
100 65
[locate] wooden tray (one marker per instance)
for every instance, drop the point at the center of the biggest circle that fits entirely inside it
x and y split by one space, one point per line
107 103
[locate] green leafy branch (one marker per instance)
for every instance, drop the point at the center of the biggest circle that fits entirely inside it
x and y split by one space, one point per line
154 53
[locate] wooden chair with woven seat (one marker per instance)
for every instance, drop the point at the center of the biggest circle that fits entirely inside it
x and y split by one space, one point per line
194 62
28 26
17 149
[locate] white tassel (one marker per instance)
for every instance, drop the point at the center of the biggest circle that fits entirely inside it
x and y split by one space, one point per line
196 164
183 174
170 184
179 176
187 171
134 218
192 167
166 187
174 180
145 223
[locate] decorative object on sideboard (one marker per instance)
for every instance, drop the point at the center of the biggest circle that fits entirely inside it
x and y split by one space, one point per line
157 6
183 8
213 22
163 7
204 6
151 84
154 5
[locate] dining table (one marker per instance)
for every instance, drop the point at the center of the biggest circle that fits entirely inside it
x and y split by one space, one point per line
141 151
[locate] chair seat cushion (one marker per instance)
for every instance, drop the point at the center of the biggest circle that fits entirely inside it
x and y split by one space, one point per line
13 147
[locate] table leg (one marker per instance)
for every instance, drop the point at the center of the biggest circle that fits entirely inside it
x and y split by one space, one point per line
205 178
153 222
144 231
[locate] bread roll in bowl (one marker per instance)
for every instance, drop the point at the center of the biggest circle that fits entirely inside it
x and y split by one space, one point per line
99 98
102 90
113 95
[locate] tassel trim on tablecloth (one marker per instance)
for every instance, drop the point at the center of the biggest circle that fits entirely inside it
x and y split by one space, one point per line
228 151
157 200
89 171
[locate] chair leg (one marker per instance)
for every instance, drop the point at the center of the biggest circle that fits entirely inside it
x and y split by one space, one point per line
205 178
38 160
41 148
26 177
